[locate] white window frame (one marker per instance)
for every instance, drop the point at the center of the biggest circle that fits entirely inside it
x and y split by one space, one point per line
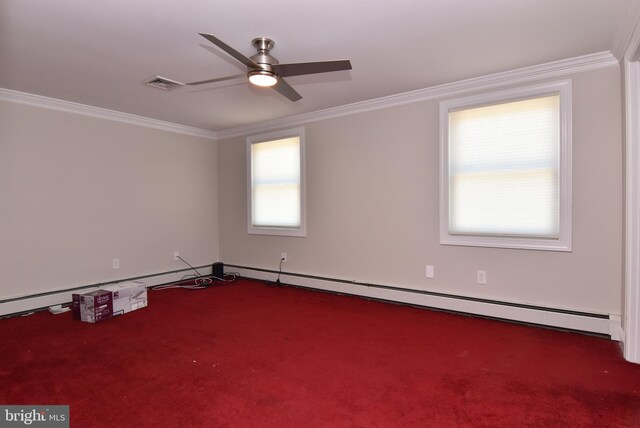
278 231
563 243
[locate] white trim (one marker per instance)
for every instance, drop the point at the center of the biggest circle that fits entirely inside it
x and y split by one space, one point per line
632 213
512 313
615 328
101 113
302 230
31 303
550 70
562 87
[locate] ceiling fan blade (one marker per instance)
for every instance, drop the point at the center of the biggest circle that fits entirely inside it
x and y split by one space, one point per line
231 51
219 79
298 69
285 89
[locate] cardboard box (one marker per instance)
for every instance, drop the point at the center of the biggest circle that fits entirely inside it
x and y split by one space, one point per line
123 297
128 296
96 306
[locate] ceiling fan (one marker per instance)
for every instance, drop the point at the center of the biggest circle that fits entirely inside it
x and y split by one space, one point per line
264 70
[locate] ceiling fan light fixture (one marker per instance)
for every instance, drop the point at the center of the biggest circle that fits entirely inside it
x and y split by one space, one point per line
265 70
263 78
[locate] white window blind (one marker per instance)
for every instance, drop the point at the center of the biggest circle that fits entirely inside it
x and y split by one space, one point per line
505 168
504 162
276 183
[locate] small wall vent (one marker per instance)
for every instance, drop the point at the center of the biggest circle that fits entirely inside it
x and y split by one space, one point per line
163 83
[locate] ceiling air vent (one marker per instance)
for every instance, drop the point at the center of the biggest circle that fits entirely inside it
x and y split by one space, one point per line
163 83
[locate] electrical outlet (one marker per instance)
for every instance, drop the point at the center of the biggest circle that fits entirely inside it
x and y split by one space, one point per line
482 277
430 272
284 257
176 255
115 264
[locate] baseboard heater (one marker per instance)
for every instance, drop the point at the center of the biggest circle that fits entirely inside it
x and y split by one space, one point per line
41 301
593 323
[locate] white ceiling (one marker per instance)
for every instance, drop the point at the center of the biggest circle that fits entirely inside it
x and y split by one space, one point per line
99 52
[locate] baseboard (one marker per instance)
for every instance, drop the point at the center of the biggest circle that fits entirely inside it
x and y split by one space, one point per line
34 302
621 339
615 328
601 324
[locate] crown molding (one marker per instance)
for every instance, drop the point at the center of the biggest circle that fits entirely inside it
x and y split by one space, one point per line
101 113
625 42
522 75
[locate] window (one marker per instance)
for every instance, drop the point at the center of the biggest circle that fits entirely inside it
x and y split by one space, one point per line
505 161
275 178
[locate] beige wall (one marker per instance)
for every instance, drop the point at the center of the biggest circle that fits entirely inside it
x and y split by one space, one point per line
77 192
372 209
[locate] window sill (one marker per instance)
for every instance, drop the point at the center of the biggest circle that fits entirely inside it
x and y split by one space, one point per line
277 231
562 244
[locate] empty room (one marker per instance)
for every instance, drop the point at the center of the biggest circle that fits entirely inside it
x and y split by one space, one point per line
320 213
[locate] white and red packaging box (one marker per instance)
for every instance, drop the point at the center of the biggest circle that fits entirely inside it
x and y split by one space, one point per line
96 306
128 296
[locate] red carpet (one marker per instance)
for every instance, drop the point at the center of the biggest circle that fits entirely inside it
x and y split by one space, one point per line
247 355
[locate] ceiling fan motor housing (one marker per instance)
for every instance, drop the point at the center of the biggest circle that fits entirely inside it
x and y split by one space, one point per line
262 58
